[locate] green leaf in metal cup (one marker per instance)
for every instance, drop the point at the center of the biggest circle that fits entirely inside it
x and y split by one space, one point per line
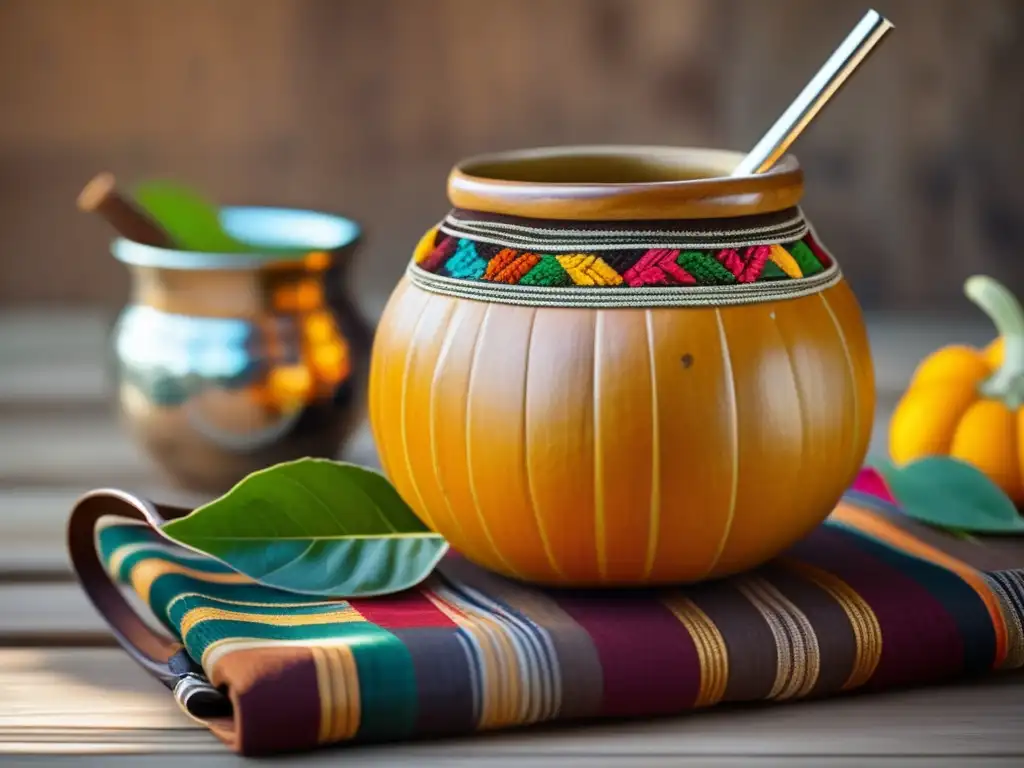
951 494
315 527
192 222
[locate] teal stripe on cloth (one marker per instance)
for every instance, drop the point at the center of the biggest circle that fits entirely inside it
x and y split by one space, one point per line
113 537
387 682
203 635
144 543
388 695
155 550
167 588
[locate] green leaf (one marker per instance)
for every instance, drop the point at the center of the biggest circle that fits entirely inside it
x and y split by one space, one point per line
192 221
952 494
315 527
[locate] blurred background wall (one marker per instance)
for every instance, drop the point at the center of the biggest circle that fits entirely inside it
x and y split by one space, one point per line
361 107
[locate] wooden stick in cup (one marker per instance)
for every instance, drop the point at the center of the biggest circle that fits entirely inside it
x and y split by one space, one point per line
850 54
100 196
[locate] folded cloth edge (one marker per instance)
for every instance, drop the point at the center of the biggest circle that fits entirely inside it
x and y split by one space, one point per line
865 508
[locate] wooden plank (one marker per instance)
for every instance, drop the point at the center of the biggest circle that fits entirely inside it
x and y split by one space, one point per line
128 756
81 701
54 383
83 450
37 334
52 459
32 521
48 692
56 614
54 357
79 450
57 611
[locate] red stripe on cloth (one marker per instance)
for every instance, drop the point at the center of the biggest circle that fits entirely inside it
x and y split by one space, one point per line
869 481
649 663
407 610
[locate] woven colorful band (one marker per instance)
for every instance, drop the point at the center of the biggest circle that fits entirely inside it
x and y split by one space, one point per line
475 257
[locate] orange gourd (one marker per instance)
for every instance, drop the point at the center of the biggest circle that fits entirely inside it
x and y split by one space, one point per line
633 444
967 403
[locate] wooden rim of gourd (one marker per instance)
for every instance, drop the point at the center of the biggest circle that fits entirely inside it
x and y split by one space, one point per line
605 183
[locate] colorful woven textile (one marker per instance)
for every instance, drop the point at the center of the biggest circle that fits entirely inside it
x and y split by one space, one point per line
472 246
870 600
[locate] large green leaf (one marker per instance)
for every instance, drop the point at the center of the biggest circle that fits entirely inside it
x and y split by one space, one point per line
316 527
192 221
951 494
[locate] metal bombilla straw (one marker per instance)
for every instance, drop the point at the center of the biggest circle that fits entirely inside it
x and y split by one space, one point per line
843 62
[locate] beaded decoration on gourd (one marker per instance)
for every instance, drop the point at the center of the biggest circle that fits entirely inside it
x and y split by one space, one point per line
468 259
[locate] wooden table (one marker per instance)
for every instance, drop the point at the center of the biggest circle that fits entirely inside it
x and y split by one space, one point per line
68 693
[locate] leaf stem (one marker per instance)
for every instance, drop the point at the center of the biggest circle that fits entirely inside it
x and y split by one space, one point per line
1002 307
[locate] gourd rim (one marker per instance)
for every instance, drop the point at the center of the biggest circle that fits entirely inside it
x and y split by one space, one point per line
305 231
627 182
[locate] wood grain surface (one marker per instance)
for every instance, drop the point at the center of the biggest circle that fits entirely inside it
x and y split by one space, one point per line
68 694
96 700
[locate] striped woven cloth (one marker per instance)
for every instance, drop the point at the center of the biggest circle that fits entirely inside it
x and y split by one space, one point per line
870 600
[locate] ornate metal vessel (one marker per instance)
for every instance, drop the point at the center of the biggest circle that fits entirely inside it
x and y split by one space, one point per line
228 363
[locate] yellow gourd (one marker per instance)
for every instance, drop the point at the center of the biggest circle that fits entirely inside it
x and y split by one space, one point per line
967 403
581 446
598 432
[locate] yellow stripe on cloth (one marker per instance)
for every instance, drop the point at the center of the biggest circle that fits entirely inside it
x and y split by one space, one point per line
867 630
215 652
209 613
712 652
337 682
253 603
502 695
156 548
145 572
784 261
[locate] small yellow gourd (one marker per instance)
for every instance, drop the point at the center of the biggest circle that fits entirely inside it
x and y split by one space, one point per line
968 403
